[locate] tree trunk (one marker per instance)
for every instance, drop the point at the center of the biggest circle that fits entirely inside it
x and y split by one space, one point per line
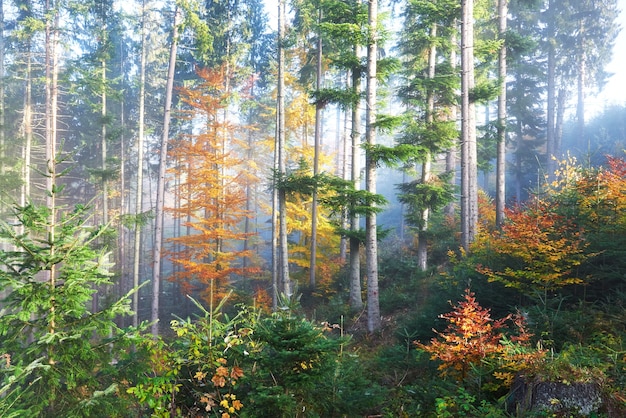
52 76
103 144
422 244
2 94
316 158
501 150
356 299
140 145
160 201
469 186
95 299
121 229
561 103
551 97
342 166
28 128
450 208
371 244
283 244
580 105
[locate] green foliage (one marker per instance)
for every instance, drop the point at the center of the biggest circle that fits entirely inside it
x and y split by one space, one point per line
344 98
60 359
293 360
200 369
249 366
464 404
202 34
434 194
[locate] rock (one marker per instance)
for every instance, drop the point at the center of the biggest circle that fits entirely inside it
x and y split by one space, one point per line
577 398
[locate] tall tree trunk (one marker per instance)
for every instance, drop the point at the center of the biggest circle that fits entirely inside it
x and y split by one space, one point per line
103 164
160 201
103 144
450 208
283 245
121 229
422 244
275 249
371 244
501 150
316 157
52 76
2 94
580 105
551 96
356 298
469 181
342 166
28 128
140 145
561 103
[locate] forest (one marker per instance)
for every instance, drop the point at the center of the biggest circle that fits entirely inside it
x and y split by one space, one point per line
311 208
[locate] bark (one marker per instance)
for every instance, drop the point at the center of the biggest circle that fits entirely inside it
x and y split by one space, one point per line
2 93
450 208
371 244
283 256
422 244
28 128
160 201
580 105
95 300
551 98
316 159
356 299
51 116
140 145
469 186
501 150
342 165
121 234
103 144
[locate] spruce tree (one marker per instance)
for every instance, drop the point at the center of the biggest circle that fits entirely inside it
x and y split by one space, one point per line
60 359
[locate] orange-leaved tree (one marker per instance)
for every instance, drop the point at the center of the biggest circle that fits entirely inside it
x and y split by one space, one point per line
210 192
536 251
472 338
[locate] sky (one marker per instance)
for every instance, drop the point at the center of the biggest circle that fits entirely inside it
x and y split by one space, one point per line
614 93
